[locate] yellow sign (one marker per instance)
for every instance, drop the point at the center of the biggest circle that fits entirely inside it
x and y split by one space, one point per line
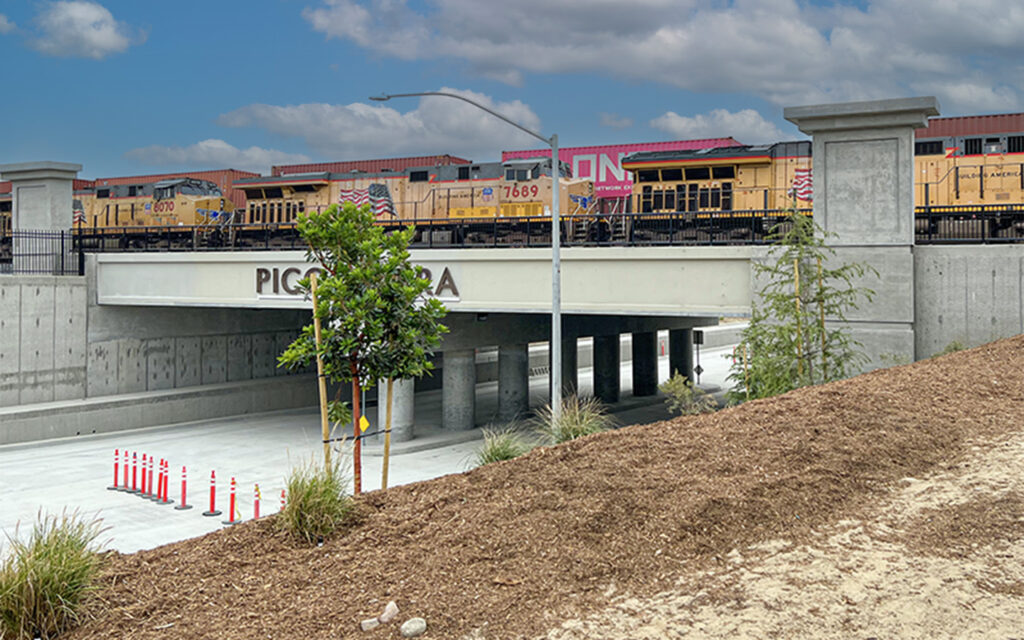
363 423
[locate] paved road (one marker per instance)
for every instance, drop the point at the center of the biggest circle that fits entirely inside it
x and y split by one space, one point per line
73 473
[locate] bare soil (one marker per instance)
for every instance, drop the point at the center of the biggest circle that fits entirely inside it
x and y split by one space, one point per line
677 527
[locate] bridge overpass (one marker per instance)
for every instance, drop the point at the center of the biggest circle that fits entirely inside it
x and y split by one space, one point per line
156 335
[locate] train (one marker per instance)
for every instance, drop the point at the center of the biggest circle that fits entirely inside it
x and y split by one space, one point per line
961 165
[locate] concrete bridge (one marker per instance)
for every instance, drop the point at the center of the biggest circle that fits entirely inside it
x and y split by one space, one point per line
161 336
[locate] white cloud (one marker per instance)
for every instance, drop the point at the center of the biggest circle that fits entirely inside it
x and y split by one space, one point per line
746 126
785 51
82 29
433 125
6 26
614 121
215 154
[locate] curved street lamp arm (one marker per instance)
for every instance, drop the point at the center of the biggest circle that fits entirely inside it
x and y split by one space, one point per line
387 96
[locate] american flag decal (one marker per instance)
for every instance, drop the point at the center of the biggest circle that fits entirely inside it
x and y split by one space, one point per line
377 196
77 213
802 187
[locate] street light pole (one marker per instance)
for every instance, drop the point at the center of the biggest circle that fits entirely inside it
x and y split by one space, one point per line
555 350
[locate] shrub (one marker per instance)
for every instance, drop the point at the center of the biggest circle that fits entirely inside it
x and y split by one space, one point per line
318 502
684 398
501 444
45 579
952 347
580 417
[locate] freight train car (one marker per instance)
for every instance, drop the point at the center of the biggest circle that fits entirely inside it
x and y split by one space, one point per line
514 189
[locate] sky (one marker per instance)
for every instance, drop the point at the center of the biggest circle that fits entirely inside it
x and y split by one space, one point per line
126 87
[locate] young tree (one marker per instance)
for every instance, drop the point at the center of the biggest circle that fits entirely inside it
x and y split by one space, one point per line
376 321
788 343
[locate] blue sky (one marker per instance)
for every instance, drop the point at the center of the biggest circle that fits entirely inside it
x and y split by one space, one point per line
126 87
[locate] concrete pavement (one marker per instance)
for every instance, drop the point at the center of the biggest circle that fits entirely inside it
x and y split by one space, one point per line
73 473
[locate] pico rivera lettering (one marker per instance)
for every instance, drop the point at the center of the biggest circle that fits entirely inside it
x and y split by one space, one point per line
278 281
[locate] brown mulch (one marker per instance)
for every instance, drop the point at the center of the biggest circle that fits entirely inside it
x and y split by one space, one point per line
514 548
957 530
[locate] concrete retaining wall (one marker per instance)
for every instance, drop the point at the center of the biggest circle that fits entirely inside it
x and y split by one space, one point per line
42 339
967 294
133 410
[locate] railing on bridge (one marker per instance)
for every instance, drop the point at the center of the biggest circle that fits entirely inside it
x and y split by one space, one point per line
41 252
61 252
969 224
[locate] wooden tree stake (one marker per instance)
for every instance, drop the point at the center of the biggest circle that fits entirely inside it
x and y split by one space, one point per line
799 337
387 438
321 381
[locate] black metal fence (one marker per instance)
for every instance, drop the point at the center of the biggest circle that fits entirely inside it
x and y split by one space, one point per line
970 224
42 252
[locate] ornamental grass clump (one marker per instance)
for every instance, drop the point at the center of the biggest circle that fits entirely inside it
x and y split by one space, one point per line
317 503
45 579
685 398
580 417
501 444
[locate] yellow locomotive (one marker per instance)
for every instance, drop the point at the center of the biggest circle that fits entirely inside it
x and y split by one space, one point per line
173 202
514 189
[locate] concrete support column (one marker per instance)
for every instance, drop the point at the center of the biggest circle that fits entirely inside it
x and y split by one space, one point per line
645 363
402 409
458 394
680 352
570 368
513 381
606 368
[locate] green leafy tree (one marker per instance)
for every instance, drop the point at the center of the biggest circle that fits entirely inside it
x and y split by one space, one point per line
788 343
377 320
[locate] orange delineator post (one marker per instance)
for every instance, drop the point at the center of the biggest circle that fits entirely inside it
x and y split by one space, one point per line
213 496
117 461
124 484
256 504
231 505
184 505
142 487
135 470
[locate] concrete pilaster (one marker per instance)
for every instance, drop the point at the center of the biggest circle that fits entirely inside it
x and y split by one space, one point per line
606 368
570 367
513 381
864 199
458 394
645 363
680 352
403 409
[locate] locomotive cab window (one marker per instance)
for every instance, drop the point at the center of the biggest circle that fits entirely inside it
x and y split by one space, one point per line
698 173
723 173
418 176
671 175
463 173
647 175
274 192
103 193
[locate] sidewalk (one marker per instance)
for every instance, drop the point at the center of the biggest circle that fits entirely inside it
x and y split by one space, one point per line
73 473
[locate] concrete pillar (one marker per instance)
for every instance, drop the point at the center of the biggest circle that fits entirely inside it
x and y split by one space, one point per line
606 368
864 199
402 409
513 381
645 363
458 393
41 194
41 200
570 367
680 352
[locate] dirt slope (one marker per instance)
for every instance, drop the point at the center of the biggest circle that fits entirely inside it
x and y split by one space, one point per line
515 549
